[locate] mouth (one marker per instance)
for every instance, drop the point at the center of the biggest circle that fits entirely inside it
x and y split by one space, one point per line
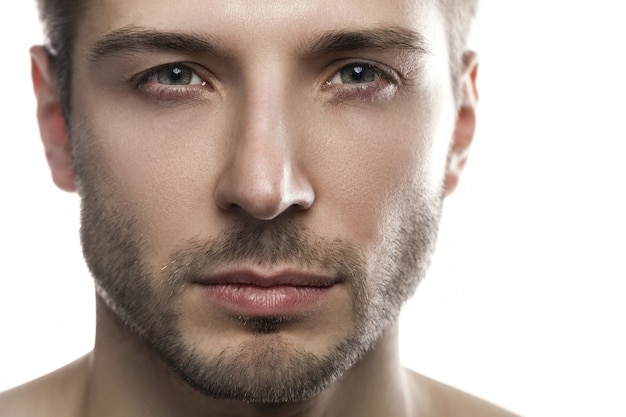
253 294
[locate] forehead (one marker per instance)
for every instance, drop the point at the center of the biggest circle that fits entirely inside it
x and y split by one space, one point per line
249 23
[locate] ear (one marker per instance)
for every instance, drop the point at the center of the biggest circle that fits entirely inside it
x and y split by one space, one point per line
466 122
51 122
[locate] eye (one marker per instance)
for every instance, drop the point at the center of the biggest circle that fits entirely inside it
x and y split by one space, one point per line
174 75
175 83
363 81
355 74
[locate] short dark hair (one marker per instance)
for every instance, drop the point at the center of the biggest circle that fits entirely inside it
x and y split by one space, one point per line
459 15
60 18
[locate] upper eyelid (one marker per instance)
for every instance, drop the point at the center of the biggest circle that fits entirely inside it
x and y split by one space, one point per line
199 70
385 71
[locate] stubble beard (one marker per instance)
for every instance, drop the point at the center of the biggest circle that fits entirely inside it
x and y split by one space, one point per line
255 371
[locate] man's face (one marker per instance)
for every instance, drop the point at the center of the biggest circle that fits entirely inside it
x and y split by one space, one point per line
261 181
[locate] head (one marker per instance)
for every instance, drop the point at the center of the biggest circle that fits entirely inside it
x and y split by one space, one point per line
261 184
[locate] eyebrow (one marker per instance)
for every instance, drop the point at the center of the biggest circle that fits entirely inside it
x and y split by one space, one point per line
134 39
389 37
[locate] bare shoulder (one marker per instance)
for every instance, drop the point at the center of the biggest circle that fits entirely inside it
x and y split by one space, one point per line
52 395
447 401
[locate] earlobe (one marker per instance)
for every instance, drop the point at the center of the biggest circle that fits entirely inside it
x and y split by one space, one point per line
51 121
466 122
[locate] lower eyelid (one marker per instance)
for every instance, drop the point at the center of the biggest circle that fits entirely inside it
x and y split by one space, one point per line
172 95
384 87
165 94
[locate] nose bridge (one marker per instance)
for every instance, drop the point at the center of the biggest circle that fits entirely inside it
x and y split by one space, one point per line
264 179
263 128
263 151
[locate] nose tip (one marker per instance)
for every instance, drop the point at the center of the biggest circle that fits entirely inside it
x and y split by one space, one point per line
264 191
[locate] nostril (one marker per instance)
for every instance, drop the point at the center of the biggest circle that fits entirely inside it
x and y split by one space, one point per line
303 195
231 207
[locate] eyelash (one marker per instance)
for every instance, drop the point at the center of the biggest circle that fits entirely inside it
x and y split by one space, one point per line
386 82
147 84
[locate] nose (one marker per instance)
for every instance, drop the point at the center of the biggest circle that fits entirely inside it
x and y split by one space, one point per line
263 177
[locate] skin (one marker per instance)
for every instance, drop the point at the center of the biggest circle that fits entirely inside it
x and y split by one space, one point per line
267 136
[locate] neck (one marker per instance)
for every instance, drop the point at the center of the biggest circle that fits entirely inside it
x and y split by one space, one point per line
125 378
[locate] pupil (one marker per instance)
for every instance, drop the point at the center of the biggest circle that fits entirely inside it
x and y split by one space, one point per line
175 75
357 73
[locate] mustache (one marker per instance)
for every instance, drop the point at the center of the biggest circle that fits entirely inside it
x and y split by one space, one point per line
282 240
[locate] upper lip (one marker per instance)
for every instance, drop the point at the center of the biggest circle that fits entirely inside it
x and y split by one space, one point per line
255 278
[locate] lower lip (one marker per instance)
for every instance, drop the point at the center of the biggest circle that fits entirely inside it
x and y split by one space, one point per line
251 300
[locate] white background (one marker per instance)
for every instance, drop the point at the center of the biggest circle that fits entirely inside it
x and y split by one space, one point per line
524 304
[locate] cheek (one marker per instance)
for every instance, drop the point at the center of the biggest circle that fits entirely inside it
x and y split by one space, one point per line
159 169
369 159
